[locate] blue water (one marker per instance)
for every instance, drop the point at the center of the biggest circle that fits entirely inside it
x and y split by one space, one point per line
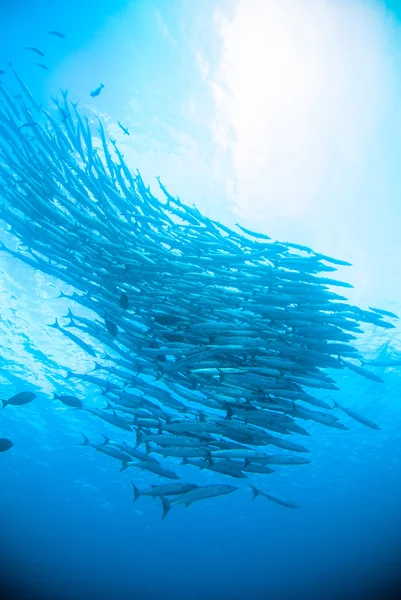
67 523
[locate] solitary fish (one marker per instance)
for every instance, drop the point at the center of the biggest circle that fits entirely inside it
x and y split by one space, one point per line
32 49
356 416
273 497
72 401
58 34
19 399
97 91
5 444
2 71
167 489
124 302
41 65
111 327
199 493
125 130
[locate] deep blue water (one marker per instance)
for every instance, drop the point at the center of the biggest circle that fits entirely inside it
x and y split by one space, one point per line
67 523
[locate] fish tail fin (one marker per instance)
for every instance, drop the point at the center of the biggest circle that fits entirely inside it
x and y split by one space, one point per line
334 402
97 366
210 462
184 461
136 491
55 396
106 440
85 442
148 448
108 406
4 403
228 409
124 465
55 324
166 506
246 463
255 491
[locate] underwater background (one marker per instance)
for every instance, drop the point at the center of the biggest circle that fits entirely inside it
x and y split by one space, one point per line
285 118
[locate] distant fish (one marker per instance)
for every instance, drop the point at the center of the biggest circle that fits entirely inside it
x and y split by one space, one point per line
125 129
273 497
58 34
97 91
72 401
111 327
32 49
41 65
2 71
28 124
19 399
5 444
124 302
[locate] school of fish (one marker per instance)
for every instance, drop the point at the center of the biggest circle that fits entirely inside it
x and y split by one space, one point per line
216 342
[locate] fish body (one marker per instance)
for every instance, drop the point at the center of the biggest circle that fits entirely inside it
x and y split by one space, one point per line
166 489
273 497
5 444
97 91
199 493
71 401
19 399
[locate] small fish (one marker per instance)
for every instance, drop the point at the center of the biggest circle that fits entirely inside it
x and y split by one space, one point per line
58 34
19 399
32 49
167 489
97 91
41 65
125 129
28 124
5 444
273 497
111 327
124 302
2 71
69 400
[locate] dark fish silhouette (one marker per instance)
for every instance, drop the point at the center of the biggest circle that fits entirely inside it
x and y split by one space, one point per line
19 399
124 302
41 65
111 327
36 50
5 444
58 34
72 401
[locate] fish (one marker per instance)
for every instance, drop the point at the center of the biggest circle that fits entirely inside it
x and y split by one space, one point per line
97 91
41 65
166 489
58 34
36 50
273 497
111 327
2 71
355 415
208 341
199 493
71 401
5 444
125 130
19 399
124 301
